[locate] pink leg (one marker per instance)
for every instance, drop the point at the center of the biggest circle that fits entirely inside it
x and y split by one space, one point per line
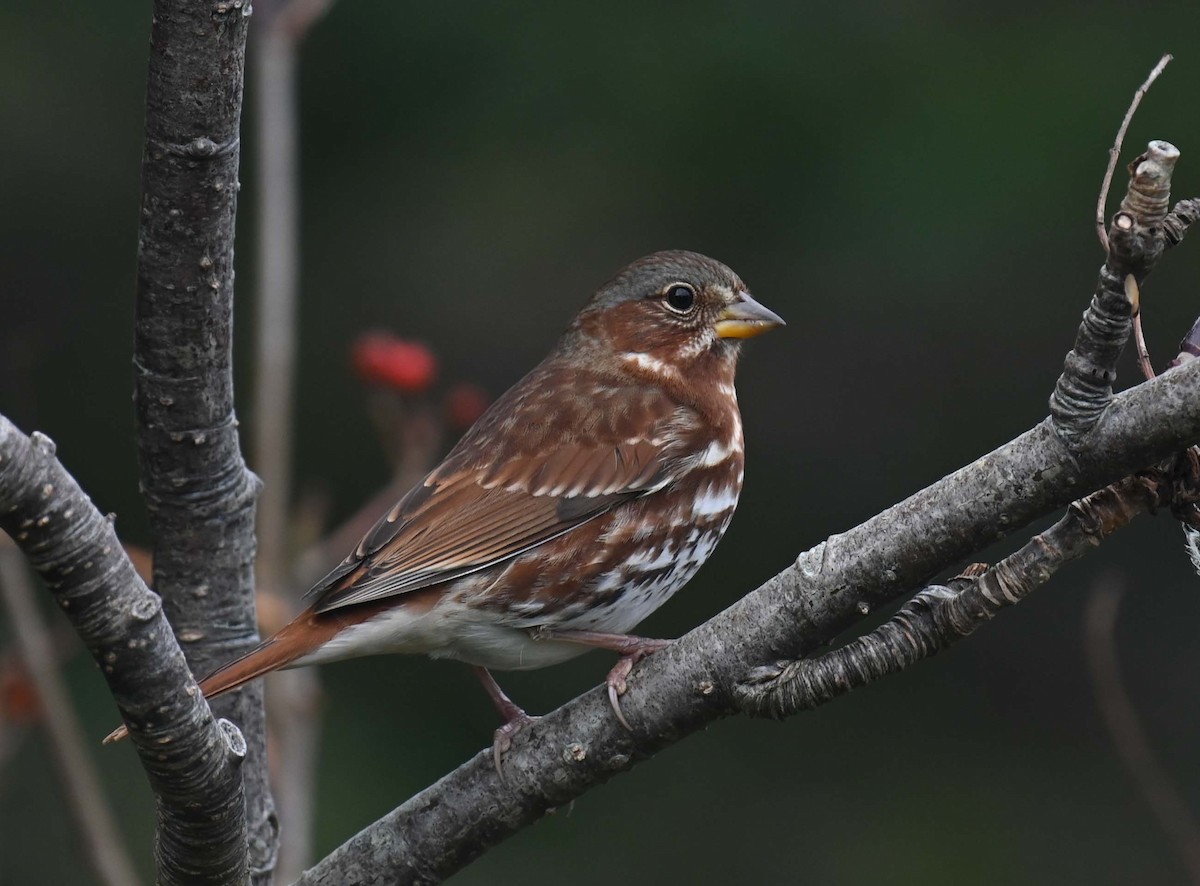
514 718
631 649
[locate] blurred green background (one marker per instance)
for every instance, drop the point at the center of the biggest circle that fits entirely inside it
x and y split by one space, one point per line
911 186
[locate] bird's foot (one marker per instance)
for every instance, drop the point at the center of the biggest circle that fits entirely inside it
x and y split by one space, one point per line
515 718
632 649
618 678
503 737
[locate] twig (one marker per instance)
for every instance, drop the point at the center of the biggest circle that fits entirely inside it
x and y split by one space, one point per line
1182 216
1136 242
1126 730
276 321
1114 152
1189 346
93 817
1139 338
1143 352
12 731
193 762
292 696
1174 227
11 737
297 17
941 615
294 703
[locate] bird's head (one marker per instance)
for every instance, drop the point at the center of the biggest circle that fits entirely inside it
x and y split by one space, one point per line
671 309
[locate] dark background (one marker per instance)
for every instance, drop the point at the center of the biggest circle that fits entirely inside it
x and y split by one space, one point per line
912 190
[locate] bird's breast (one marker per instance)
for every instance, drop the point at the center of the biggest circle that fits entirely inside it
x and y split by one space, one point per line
611 573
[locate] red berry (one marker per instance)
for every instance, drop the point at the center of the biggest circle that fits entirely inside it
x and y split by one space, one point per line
464 404
383 359
18 699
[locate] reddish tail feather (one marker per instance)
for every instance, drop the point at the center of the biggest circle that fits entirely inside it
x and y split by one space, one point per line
306 633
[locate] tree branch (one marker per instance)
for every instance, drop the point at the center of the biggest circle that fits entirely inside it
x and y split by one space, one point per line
93 817
292 695
199 494
1179 219
1136 242
192 762
1130 738
943 614
1115 151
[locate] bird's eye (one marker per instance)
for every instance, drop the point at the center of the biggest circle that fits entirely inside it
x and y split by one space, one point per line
680 298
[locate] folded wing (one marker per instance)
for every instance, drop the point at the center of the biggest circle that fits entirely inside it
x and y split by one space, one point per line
465 517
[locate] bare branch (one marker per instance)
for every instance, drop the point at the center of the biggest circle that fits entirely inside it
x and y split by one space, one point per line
292 696
1179 219
1136 242
93 816
1114 152
1139 337
1100 619
943 614
1175 225
276 320
293 713
192 762
293 19
199 494
1139 340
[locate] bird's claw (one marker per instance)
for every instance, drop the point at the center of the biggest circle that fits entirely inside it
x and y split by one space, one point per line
618 678
618 686
502 738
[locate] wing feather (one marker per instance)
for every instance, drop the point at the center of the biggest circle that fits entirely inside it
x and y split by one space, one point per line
464 518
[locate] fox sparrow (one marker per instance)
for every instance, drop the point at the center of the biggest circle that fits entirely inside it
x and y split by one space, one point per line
576 505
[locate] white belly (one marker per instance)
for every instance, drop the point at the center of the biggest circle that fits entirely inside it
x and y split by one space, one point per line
496 640
448 630
505 639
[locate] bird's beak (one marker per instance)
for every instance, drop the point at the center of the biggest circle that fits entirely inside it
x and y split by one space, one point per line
746 318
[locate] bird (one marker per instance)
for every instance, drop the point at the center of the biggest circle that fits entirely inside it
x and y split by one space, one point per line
578 503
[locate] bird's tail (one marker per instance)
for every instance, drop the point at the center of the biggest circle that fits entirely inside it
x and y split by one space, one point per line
278 651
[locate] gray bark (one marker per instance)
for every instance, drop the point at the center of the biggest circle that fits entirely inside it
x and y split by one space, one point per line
193 762
944 614
197 489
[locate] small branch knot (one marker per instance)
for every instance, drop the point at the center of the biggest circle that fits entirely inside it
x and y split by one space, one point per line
1150 186
1185 487
204 148
42 444
1179 219
920 628
223 10
235 742
146 606
1140 233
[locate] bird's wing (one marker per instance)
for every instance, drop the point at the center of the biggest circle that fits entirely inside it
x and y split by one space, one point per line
464 518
